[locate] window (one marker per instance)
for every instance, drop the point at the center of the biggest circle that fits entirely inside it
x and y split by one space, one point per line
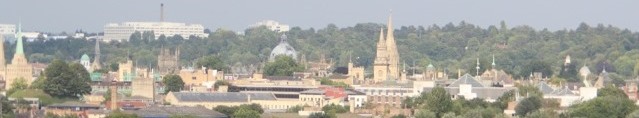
194 78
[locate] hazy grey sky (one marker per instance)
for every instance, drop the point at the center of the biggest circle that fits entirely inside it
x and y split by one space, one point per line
92 15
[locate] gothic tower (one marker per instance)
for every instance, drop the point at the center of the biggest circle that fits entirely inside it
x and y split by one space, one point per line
393 55
19 67
96 61
380 66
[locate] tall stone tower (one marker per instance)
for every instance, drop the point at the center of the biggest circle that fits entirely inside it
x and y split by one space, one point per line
393 55
386 65
169 63
380 66
19 67
96 61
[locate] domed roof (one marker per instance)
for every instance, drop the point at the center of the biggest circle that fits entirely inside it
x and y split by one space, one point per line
283 49
85 57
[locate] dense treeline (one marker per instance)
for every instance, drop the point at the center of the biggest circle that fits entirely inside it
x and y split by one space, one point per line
518 50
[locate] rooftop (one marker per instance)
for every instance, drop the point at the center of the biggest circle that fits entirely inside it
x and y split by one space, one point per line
221 97
168 111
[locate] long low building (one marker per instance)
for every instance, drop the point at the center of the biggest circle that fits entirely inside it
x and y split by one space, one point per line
123 31
212 100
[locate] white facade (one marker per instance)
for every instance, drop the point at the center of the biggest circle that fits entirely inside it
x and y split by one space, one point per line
273 25
122 31
7 29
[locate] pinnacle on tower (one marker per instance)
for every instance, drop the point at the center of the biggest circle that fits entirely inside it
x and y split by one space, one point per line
19 49
493 64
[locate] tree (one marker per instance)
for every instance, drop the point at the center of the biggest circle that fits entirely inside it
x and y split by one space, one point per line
64 81
18 84
536 66
173 83
439 101
542 113
246 113
399 116
226 109
295 109
604 107
282 66
320 115
335 108
254 107
528 105
610 90
38 83
425 113
211 62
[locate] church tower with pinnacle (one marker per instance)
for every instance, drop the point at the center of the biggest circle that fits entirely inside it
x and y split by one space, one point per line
386 64
19 67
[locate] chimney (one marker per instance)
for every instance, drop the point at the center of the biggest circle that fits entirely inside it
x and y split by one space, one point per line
161 12
114 97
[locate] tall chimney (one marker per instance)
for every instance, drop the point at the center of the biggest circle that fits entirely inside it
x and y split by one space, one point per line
114 97
161 12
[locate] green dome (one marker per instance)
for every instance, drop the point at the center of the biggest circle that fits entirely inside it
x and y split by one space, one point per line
85 57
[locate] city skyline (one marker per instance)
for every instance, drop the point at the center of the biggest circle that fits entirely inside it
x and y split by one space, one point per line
91 16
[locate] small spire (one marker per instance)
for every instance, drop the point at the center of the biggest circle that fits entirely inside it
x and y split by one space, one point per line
493 64
477 67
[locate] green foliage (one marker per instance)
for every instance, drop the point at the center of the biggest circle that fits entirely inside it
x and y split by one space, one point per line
449 115
399 116
119 114
230 111
634 114
502 101
282 66
536 66
39 83
335 108
254 107
218 83
425 113
569 72
603 107
439 101
529 90
542 113
320 115
246 113
528 105
211 62
326 81
18 84
66 81
45 99
612 91
225 109
51 115
173 83
295 109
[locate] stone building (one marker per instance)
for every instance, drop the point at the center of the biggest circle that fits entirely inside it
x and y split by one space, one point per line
19 67
386 64
168 63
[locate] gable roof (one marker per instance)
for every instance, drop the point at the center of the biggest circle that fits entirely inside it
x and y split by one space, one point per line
545 88
466 79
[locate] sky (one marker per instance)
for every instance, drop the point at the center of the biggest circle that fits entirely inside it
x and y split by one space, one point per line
237 15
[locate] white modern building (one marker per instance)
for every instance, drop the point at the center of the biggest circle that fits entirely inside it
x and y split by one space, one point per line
122 31
7 31
273 25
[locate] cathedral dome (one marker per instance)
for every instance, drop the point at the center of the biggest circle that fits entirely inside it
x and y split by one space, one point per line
85 57
283 49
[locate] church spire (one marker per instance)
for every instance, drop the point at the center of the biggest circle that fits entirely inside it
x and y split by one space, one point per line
19 49
493 64
477 67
